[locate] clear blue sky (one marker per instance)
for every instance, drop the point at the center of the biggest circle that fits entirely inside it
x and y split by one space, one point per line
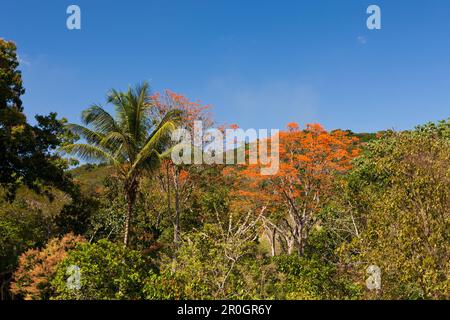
259 63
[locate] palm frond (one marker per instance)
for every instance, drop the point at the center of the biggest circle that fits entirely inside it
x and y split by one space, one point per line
152 162
120 102
89 152
100 120
137 110
85 133
152 144
124 141
114 141
173 116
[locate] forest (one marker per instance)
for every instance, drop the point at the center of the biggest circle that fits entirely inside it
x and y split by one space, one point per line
99 211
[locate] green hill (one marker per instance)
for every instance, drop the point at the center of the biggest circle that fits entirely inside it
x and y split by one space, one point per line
90 177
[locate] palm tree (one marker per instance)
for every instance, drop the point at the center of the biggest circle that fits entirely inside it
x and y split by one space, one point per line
132 142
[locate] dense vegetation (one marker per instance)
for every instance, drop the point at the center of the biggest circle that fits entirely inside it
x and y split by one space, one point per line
137 226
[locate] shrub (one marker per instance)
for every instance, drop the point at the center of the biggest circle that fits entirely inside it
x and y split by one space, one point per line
108 271
37 267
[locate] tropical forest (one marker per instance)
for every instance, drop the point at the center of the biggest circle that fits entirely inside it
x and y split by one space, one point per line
99 210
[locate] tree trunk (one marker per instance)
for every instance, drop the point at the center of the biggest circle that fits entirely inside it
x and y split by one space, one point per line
290 245
272 237
176 220
130 197
176 229
127 223
300 244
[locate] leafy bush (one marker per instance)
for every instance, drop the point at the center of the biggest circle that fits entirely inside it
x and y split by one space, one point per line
37 268
311 278
164 286
108 271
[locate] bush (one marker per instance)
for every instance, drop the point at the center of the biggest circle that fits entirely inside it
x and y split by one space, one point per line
311 278
164 286
37 268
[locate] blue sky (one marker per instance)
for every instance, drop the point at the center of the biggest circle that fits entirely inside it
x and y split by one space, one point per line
259 63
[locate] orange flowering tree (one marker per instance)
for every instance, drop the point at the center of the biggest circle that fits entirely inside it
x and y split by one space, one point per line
309 160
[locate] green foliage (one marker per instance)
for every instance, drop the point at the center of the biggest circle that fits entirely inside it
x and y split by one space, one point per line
202 267
108 220
218 262
25 223
316 274
164 286
26 151
12 235
90 177
10 78
76 215
399 193
109 271
440 129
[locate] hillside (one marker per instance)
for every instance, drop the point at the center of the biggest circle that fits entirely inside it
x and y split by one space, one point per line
90 176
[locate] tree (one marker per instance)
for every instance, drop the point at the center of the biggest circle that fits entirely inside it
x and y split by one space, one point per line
209 260
10 78
27 155
398 197
132 142
176 181
309 161
37 267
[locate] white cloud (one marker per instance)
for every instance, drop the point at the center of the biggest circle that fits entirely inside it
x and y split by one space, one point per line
362 40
